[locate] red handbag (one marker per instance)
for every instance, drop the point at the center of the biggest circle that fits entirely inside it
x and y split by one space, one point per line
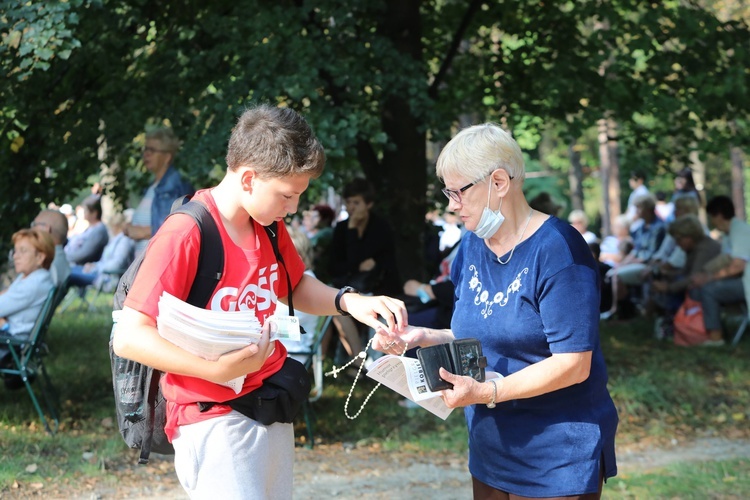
689 328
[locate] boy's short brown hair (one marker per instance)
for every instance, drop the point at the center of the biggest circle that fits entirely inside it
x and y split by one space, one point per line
276 142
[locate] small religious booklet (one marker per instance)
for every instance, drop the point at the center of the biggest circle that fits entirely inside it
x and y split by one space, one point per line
209 334
406 377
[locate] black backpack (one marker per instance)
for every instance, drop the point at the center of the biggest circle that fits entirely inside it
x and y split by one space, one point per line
139 403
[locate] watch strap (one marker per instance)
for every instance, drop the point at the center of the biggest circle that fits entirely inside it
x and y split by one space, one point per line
337 300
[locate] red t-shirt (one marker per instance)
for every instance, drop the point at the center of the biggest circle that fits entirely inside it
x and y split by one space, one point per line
252 279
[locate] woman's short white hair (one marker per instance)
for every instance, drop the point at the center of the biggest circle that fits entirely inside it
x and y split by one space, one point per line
477 151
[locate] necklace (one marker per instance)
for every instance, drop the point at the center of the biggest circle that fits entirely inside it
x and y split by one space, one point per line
519 239
361 356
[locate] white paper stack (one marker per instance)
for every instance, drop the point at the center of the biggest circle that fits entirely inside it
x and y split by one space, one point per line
205 333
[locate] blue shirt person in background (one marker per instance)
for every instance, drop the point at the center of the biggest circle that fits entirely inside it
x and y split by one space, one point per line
526 286
158 158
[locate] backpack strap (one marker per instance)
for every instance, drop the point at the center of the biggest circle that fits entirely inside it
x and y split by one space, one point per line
211 256
152 383
272 231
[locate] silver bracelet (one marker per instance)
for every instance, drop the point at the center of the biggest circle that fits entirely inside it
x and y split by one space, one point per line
491 404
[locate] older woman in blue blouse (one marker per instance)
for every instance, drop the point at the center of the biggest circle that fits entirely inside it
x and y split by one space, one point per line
527 288
22 301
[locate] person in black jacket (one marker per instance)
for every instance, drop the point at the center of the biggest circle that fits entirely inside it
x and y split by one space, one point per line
363 253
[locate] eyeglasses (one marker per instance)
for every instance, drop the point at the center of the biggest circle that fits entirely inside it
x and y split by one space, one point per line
455 194
149 149
39 224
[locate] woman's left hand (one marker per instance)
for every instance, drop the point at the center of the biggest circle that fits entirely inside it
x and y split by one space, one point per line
466 391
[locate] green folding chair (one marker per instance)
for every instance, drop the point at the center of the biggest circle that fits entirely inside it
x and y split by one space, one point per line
27 361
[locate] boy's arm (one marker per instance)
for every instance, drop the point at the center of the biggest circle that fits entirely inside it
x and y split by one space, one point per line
137 338
314 297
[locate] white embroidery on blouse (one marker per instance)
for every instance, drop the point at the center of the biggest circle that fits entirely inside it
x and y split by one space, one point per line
482 296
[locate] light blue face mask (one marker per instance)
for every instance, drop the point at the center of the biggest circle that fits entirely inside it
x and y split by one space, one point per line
490 221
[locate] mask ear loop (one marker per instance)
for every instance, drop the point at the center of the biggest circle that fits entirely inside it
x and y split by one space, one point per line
489 192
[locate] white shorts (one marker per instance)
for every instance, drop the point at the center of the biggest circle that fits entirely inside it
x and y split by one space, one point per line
234 457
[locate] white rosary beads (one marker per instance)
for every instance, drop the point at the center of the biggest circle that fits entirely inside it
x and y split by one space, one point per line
361 356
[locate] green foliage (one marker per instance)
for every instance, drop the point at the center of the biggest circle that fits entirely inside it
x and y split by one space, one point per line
374 78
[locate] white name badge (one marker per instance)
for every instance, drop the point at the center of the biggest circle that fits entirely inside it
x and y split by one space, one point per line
284 328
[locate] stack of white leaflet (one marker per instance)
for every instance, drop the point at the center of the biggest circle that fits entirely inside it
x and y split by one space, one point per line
205 333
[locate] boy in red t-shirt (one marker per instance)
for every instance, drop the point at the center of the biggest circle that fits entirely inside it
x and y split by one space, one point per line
271 157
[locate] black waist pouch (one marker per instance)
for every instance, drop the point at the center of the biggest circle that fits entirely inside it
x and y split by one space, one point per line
279 399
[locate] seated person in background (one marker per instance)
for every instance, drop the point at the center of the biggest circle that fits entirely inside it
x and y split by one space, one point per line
611 246
646 241
322 216
345 326
363 252
430 305
670 257
55 224
22 301
664 209
88 245
631 288
450 234
579 220
727 280
668 288
116 257
637 183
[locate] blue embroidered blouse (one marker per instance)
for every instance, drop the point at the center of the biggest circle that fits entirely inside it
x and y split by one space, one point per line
544 301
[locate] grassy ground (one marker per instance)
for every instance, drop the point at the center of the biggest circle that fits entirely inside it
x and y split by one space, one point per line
662 393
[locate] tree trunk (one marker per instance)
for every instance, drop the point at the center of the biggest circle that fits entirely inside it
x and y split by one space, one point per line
738 182
402 180
615 208
575 176
604 175
699 177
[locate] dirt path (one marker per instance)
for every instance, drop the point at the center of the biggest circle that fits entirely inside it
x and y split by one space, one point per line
369 473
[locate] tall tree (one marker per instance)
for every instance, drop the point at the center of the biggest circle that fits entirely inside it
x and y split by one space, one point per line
375 78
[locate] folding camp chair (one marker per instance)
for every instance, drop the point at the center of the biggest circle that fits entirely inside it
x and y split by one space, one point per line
738 312
313 359
82 292
27 360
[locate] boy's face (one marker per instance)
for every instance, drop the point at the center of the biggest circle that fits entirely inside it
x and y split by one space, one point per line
273 199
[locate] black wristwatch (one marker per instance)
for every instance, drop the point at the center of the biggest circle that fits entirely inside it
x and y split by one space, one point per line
337 301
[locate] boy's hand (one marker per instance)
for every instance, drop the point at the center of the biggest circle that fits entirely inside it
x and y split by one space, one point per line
249 359
367 310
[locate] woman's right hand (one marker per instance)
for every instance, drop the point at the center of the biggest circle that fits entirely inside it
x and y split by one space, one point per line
412 336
